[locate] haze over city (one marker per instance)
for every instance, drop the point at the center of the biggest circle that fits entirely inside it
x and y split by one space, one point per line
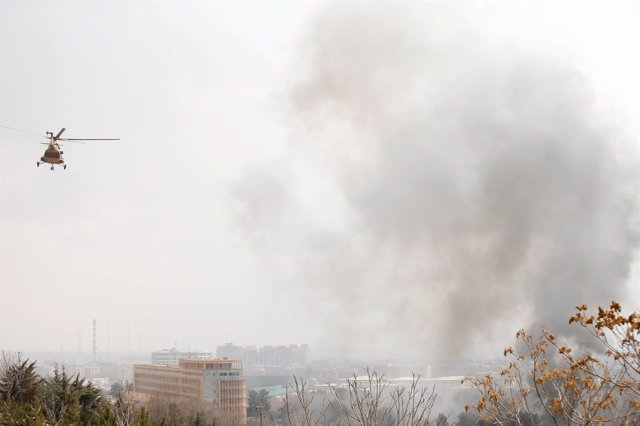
377 180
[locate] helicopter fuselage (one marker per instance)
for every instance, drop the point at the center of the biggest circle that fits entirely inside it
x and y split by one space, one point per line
52 156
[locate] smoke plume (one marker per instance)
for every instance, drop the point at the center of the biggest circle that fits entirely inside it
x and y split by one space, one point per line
466 187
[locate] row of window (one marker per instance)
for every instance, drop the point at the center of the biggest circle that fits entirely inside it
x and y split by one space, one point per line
157 378
225 366
230 383
146 387
212 366
231 391
231 401
141 387
234 410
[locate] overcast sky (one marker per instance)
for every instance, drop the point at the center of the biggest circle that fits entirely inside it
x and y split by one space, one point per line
225 206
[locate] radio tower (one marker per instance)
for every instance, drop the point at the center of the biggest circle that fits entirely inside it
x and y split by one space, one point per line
95 342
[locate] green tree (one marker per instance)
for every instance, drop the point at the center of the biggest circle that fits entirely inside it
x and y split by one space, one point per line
69 400
18 381
143 417
19 392
15 414
59 403
258 402
89 398
117 390
106 417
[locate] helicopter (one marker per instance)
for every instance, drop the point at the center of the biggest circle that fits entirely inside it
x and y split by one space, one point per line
53 153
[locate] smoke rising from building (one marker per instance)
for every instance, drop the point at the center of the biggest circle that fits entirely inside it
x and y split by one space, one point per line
465 185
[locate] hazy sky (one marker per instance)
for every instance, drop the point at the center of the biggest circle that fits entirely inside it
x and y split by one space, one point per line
253 196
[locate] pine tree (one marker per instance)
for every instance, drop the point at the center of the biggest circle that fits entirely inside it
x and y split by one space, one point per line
143 418
19 381
19 393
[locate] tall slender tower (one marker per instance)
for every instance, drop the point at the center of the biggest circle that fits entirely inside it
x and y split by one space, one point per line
108 357
95 342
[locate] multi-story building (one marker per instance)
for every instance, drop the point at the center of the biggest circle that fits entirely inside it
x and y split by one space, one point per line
218 383
251 356
300 354
231 351
267 356
172 356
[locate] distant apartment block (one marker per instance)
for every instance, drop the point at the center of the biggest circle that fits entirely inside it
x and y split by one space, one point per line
218 382
267 356
172 356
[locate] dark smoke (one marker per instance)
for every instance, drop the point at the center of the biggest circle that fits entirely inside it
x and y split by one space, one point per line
481 189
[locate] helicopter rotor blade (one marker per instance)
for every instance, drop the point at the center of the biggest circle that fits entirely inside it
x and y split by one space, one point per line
89 139
72 141
22 131
28 136
56 137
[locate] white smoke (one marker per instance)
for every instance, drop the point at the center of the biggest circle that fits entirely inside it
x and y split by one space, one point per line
477 184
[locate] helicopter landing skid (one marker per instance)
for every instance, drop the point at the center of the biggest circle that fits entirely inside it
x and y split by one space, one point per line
64 166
